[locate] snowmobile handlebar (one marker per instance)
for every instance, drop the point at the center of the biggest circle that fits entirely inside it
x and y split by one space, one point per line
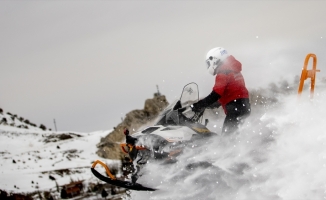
183 109
196 115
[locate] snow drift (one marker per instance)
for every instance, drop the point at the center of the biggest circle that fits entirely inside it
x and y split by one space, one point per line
280 153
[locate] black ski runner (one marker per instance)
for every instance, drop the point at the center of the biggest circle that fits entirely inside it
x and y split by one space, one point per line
124 184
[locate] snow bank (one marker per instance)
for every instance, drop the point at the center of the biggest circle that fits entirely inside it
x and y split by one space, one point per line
279 154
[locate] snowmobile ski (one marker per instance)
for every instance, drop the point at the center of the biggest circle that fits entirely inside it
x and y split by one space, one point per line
113 181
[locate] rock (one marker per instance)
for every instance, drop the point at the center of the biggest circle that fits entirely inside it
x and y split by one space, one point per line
108 146
156 105
51 178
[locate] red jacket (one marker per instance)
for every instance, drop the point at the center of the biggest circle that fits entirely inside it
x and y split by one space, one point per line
229 82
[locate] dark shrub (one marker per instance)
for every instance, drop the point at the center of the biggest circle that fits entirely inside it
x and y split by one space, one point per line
42 127
64 136
4 120
104 194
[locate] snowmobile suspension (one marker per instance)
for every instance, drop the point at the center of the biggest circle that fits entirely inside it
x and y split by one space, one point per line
106 169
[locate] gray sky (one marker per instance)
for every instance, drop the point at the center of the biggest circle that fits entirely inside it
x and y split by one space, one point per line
88 63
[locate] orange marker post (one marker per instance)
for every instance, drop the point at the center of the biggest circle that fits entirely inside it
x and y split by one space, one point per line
308 74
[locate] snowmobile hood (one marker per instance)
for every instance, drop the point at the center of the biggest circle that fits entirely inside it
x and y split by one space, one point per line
230 64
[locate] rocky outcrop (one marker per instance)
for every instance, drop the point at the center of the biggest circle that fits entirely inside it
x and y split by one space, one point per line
109 146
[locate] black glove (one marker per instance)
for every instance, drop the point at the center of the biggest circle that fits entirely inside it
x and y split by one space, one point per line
205 102
195 107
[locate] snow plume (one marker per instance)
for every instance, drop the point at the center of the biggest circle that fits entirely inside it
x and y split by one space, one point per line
279 154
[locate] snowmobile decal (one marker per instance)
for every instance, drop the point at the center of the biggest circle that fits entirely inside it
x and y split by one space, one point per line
174 139
175 153
201 130
190 90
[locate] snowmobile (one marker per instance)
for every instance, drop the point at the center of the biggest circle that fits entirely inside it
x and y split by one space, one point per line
176 127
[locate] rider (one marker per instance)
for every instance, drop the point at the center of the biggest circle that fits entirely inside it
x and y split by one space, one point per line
131 144
229 89
133 153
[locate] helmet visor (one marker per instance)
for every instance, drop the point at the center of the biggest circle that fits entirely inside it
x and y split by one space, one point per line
208 64
208 61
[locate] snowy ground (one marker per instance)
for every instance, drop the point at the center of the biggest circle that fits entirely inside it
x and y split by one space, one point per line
27 161
280 154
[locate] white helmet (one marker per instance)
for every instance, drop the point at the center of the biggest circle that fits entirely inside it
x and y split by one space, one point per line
214 59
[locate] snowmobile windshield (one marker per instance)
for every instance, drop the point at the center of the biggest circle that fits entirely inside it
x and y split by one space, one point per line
189 95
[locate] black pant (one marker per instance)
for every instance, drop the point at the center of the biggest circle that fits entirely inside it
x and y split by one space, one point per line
237 111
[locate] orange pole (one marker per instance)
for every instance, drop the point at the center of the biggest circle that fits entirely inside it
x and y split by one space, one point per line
308 74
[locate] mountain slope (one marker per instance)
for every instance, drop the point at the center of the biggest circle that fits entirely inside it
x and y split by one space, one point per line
280 154
29 157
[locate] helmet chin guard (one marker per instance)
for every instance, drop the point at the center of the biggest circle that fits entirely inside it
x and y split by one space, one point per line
212 70
215 58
